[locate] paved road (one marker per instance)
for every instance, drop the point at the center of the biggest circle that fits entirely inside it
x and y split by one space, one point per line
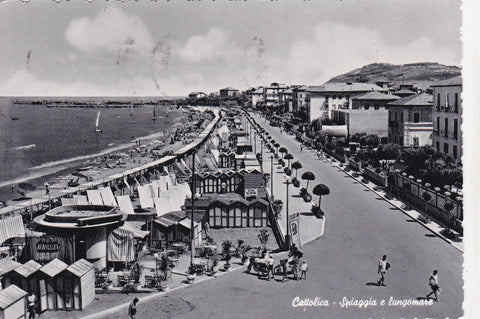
360 229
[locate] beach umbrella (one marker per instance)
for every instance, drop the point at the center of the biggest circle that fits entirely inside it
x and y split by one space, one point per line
26 186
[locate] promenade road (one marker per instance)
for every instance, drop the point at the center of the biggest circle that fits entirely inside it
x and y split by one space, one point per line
360 228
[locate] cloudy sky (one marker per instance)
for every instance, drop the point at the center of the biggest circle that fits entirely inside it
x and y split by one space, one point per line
175 47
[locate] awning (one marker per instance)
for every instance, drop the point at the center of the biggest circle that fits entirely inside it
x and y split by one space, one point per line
121 246
137 233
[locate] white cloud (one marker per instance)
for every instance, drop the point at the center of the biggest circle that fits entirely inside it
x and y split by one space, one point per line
110 30
335 48
215 44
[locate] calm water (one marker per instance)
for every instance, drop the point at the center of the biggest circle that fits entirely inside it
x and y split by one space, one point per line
47 138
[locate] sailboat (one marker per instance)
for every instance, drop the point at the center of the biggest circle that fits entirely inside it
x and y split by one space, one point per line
131 114
97 122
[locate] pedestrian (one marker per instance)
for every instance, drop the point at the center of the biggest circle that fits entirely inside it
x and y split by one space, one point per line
47 189
304 269
383 266
132 308
433 282
32 299
250 264
301 147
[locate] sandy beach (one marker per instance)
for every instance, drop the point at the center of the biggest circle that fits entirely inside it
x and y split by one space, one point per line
102 164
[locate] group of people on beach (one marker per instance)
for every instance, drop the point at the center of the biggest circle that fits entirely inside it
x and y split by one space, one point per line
384 266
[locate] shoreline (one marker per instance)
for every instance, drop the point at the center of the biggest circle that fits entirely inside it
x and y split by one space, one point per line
52 171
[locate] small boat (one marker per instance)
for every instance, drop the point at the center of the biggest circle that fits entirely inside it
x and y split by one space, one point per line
97 122
15 118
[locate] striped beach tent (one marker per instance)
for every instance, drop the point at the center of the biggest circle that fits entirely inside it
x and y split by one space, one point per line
145 195
94 197
125 204
11 226
81 199
107 196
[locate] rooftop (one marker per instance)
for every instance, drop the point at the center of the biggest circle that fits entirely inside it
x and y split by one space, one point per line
455 81
414 100
54 267
345 87
28 268
375 95
10 295
80 267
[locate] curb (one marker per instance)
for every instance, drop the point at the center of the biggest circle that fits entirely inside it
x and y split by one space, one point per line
124 306
399 208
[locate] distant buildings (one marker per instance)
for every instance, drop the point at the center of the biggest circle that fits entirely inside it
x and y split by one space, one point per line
229 92
321 100
271 94
368 114
255 96
447 117
410 120
196 95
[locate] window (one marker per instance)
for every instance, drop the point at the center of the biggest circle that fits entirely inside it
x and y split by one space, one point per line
401 117
456 103
367 106
454 151
416 117
446 127
416 141
437 145
438 123
377 106
447 102
218 217
455 128
445 148
334 97
438 101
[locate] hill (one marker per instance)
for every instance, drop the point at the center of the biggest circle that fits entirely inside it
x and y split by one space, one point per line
421 74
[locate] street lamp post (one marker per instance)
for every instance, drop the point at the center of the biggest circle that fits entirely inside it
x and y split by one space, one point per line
271 175
193 201
287 237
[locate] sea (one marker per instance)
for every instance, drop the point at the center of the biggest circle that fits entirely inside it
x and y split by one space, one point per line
37 140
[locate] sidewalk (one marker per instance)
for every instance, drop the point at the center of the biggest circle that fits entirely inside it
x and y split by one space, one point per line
310 227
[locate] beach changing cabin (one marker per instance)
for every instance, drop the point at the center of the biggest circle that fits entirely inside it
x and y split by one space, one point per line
48 276
13 303
7 266
76 289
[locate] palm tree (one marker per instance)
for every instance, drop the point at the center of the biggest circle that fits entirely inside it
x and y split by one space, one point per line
288 157
427 197
283 150
308 176
320 190
296 166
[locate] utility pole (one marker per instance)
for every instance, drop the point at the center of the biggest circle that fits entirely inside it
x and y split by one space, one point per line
271 175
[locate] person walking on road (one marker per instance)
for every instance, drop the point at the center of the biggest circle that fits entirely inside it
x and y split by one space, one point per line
132 308
47 189
383 266
304 269
433 282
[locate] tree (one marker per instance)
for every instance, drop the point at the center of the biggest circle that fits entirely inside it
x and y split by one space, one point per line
296 166
288 157
263 235
283 150
321 190
308 176
276 145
